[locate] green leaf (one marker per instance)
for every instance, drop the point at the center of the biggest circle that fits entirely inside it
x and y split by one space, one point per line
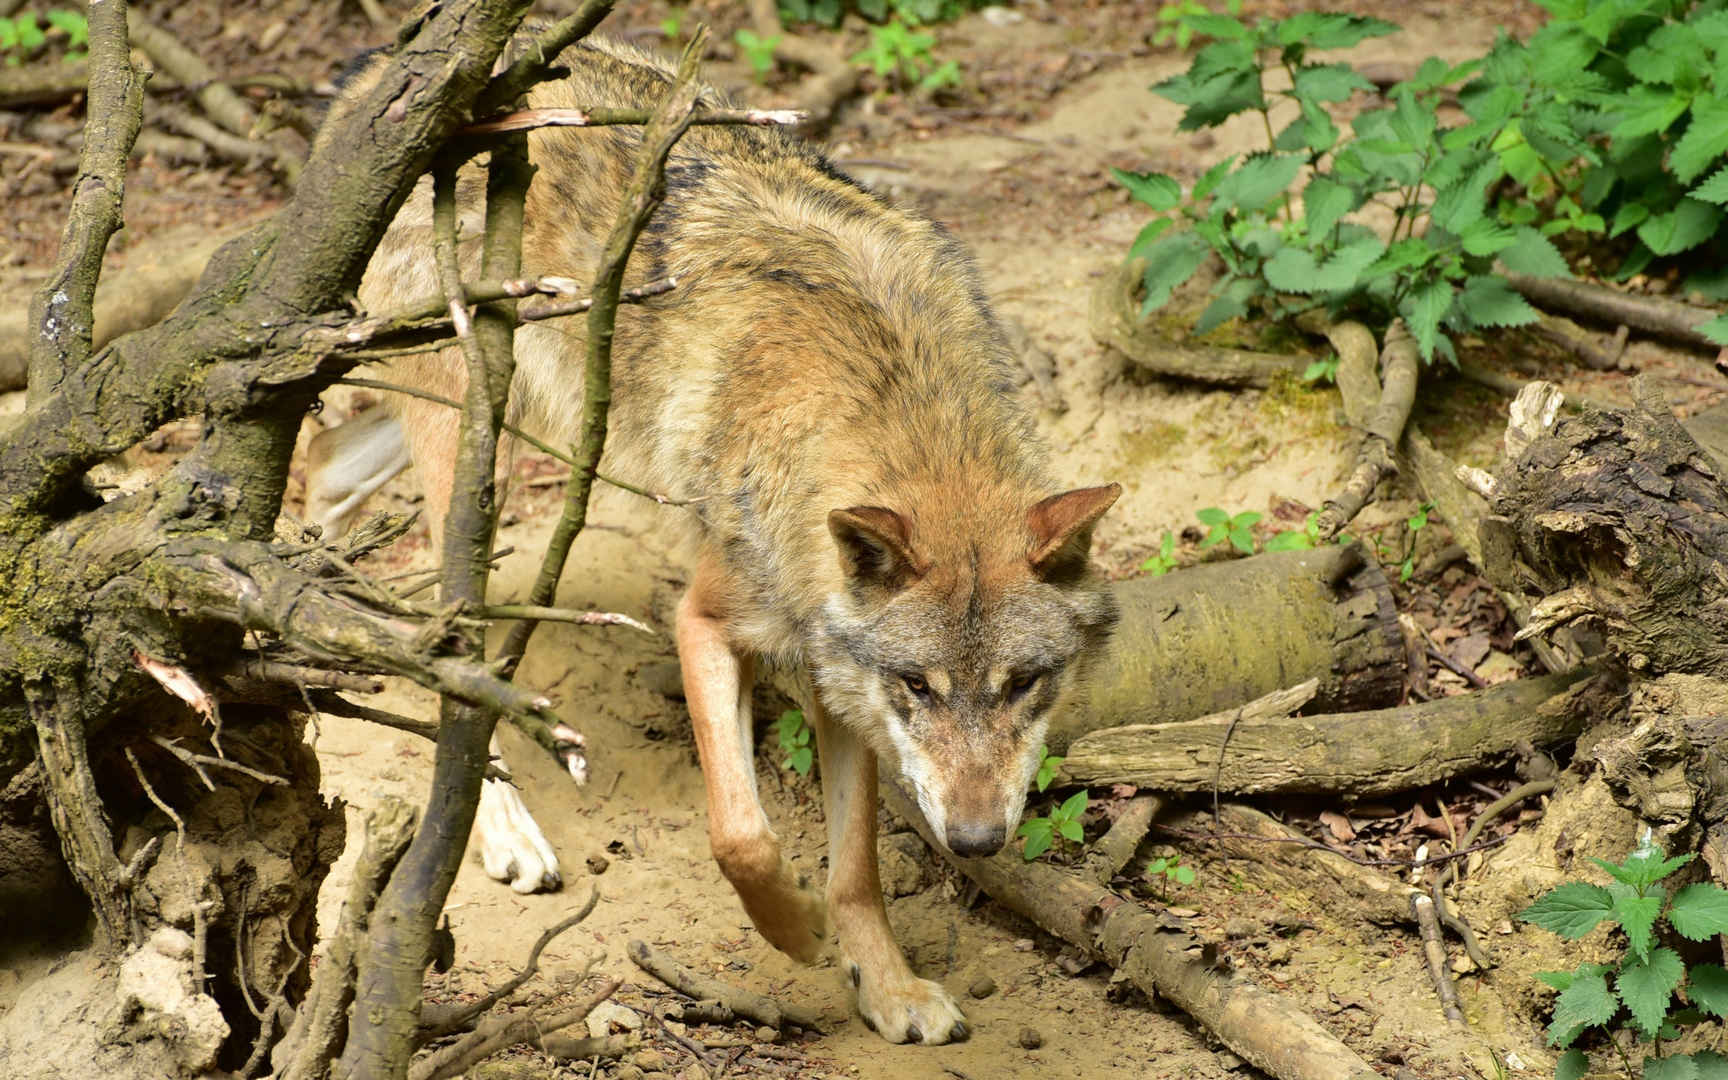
1644 867
1222 27
800 760
1645 985
1626 217
1260 179
1328 30
1290 540
1461 205
1714 189
1169 262
1489 301
1211 178
72 24
1039 832
1325 201
1328 82
1716 329
1223 81
30 35
1711 1065
1411 121
1707 988
1648 110
1184 875
1572 910
1573 1065
1700 911
1153 230
1586 1003
1071 829
1705 140
1212 516
1637 916
1486 237
1156 190
1231 303
1428 304
1073 806
1534 254
1672 1067
1689 224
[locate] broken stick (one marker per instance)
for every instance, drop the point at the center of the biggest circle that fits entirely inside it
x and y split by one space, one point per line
700 987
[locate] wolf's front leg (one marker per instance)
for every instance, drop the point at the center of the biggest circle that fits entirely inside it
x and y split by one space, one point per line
717 683
895 1003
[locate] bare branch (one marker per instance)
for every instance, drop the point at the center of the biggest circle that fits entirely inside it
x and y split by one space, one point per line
62 313
196 762
646 189
530 119
565 615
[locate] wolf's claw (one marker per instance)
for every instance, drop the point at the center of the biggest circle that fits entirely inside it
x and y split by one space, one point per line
912 1010
511 846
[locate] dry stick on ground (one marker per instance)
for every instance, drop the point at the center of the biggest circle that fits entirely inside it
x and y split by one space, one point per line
700 987
1363 753
1667 319
834 78
1263 1029
1571 337
1384 424
1116 321
1434 952
530 119
1115 849
503 1032
215 96
458 1017
646 189
61 313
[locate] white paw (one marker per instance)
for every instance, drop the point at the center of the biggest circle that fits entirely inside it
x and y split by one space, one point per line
511 845
572 752
909 1009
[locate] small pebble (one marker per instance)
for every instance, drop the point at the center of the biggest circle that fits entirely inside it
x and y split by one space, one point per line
1030 1039
1239 928
598 863
982 987
1278 953
627 1072
767 1034
649 1058
1025 944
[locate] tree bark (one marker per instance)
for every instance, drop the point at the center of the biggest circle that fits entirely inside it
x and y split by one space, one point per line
1215 637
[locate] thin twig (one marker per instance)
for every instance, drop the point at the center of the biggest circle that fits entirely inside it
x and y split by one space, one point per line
565 615
646 189
488 1039
530 119
196 761
459 1019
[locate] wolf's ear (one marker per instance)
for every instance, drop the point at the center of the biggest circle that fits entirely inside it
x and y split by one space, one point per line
1061 528
874 546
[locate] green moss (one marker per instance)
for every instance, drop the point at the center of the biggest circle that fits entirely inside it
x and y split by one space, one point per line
1151 443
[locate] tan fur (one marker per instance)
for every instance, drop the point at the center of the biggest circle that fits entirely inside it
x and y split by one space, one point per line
829 380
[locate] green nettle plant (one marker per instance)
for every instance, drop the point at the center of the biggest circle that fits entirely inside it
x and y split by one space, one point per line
1640 990
904 54
1062 821
795 736
1612 120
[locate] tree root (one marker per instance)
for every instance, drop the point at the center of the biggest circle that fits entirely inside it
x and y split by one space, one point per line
1384 423
503 1032
1268 1032
833 78
1116 322
699 987
1667 319
1362 754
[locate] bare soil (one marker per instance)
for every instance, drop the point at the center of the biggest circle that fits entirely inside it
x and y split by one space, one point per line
1017 166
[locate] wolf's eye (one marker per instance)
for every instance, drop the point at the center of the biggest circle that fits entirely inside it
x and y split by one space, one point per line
1019 684
917 685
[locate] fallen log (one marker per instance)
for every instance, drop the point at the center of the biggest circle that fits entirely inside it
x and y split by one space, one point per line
1216 637
1272 1034
1663 318
1116 322
1356 754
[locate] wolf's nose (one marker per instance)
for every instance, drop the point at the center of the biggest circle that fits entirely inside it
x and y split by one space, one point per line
975 839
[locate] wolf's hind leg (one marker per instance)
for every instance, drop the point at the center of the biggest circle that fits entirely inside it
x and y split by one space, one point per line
717 683
895 1003
347 463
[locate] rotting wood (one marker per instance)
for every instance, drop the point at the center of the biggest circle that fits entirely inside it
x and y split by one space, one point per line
1115 849
1116 322
1356 754
1267 1031
1383 425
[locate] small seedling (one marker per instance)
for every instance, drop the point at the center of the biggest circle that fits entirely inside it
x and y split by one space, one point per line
1237 529
898 52
1308 536
757 50
20 35
1170 868
1321 371
1416 523
672 26
1048 763
795 737
1063 821
1642 986
1163 562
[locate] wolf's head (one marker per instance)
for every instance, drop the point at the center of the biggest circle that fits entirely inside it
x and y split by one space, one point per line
948 652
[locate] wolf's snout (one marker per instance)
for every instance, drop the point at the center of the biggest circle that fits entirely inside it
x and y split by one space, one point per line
973 839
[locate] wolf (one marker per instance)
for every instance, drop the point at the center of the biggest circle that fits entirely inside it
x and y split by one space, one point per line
828 388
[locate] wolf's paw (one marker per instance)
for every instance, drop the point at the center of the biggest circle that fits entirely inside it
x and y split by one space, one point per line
791 915
511 845
907 1009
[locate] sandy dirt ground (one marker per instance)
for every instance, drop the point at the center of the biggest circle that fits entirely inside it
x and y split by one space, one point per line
1022 177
